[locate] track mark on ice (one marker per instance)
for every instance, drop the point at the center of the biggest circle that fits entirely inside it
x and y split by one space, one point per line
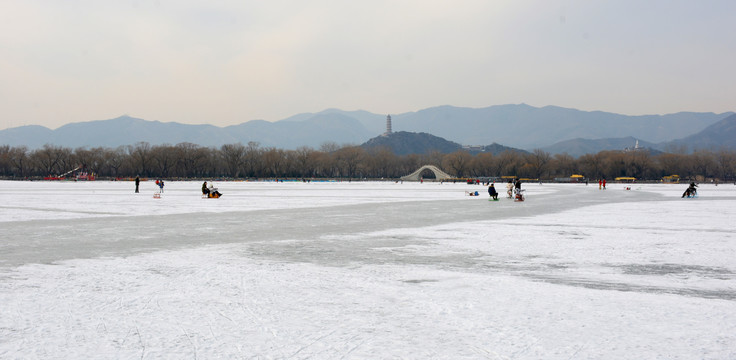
313 342
190 340
625 287
140 338
352 348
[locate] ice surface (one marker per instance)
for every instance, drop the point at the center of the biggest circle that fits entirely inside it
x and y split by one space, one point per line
359 270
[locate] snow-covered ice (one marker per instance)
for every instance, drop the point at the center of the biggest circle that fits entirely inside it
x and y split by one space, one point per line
366 270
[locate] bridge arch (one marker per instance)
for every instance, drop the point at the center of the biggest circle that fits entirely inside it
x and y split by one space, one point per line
439 174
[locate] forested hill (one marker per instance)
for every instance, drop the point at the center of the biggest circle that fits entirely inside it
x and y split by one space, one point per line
405 143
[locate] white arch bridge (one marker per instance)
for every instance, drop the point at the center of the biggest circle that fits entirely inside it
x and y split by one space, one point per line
439 174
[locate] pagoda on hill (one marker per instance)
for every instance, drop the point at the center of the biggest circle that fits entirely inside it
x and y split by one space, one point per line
388 126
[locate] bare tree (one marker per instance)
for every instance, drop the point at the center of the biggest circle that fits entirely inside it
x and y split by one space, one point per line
190 159
704 164
637 164
592 165
19 160
671 164
381 163
726 161
325 165
5 166
434 157
537 161
458 162
89 160
563 165
329 147
253 159
509 163
349 160
211 164
47 159
163 159
409 164
305 159
67 160
233 156
140 158
114 160
274 161
484 164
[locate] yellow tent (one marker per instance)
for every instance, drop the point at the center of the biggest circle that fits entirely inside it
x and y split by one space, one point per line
671 178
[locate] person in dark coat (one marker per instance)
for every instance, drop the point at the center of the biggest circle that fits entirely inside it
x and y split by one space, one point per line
492 192
137 182
691 190
205 190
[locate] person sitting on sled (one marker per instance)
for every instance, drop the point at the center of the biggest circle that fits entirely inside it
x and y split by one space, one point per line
211 189
492 192
691 190
205 190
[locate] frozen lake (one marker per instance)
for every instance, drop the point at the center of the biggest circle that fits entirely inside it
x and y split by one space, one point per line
366 270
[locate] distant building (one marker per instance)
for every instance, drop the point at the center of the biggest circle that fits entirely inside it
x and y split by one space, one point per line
388 126
479 148
635 148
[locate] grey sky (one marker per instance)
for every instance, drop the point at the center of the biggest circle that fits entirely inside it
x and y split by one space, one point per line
227 62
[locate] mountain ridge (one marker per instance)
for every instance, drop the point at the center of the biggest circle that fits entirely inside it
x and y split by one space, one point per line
518 126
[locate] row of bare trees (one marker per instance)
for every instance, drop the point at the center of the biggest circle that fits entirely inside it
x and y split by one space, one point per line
187 160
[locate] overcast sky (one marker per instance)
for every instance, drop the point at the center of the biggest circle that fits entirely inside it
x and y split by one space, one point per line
227 62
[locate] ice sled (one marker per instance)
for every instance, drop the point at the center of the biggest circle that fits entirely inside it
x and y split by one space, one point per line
519 195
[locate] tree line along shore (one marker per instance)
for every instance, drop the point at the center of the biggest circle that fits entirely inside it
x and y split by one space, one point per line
332 161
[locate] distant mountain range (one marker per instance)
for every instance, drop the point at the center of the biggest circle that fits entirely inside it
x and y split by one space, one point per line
553 129
288 134
721 134
577 147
